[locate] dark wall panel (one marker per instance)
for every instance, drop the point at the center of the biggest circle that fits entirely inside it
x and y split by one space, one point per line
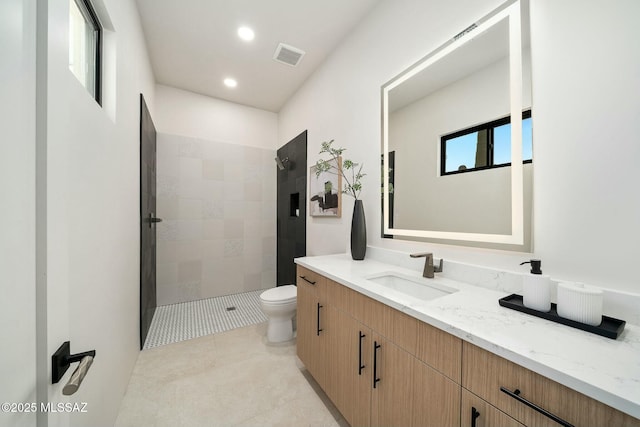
292 233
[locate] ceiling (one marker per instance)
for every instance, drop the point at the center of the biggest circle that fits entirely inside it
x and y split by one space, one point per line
193 44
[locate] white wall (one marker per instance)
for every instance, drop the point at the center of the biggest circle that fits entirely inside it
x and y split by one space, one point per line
179 112
585 104
93 211
586 73
17 216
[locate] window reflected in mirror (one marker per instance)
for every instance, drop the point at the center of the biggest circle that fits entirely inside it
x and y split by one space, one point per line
484 146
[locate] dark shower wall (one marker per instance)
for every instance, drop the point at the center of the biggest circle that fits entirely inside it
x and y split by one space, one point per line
292 208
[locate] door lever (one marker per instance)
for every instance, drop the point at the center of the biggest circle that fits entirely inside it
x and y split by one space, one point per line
152 219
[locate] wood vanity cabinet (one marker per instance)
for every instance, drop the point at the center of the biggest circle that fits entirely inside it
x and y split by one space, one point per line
490 377
365 341
382 367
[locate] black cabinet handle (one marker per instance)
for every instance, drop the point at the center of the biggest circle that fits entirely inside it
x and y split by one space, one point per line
360 365
474 415
516 395
307 280
318 330
376 346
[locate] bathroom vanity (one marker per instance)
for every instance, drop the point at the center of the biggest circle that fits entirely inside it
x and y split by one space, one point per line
454 357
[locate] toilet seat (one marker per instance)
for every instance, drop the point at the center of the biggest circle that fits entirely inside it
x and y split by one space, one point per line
280 295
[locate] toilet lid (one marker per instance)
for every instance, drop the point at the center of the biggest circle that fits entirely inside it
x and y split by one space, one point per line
280 294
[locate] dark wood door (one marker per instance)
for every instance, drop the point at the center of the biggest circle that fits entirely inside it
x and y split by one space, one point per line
147 220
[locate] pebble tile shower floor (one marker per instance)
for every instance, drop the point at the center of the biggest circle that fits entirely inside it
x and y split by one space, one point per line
178 322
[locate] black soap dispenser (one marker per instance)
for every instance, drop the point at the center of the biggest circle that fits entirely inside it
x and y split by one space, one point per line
536 288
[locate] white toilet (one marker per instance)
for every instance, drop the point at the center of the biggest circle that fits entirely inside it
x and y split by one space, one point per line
279 304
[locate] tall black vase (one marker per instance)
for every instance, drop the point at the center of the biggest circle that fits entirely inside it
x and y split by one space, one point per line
358 232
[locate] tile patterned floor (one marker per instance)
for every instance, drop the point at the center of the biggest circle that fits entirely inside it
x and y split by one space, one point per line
179 322
232 378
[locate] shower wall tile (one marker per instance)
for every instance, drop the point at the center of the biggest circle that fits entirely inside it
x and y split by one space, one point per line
191 188
166 185
168 231
253 210
233 228
218 202
166 252
253 191
234 209
252 247
188 250
191 149
167 166
233 248
190 271
253 157
190 169
189 291
213 229
189 229
214 209
190 208
166 274
233 152
268 278
212 190
167 207
252 281
212 249
234 171
213 169
234 191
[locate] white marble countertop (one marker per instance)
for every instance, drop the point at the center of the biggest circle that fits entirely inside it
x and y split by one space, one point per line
605 369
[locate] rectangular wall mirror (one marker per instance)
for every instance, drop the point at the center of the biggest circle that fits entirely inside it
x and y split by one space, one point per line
458 127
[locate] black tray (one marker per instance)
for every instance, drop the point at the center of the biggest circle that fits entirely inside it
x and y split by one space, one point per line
610 327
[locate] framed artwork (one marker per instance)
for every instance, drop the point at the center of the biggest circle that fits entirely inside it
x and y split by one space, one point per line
325 192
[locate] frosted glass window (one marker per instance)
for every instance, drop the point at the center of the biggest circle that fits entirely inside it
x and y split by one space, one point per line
85 45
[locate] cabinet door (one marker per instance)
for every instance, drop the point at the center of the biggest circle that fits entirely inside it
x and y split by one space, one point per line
311 336
349 383
392 379
478 413
436 398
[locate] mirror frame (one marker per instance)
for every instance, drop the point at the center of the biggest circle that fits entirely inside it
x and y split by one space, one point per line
510 11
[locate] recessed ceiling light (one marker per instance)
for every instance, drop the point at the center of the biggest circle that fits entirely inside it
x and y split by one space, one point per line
230 82
246 33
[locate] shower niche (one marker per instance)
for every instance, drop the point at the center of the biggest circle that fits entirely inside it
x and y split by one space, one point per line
294 204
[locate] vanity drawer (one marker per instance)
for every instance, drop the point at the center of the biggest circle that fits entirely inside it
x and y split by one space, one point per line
310 280
484 374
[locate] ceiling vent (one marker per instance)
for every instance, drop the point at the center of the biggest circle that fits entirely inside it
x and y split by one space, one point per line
288 54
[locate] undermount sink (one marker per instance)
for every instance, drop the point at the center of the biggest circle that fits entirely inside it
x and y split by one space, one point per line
412 286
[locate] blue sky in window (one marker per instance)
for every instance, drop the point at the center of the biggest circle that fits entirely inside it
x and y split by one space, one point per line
462 150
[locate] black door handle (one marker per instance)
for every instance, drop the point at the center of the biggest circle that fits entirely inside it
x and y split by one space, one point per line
151 219
360 365
318 330
516 395
474 415
376 346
